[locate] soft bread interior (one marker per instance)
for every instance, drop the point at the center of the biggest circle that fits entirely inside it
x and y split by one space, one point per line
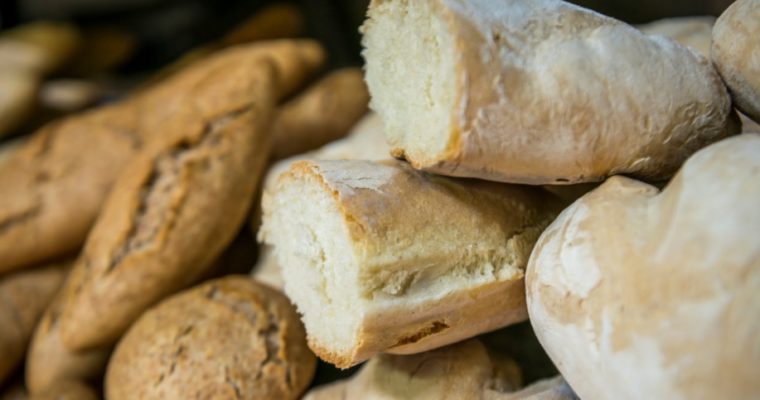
410 72
317 258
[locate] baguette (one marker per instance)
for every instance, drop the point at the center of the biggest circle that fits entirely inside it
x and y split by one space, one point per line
180 202
735 54
23 298
536 92
322 113
641 294
379 257
54 186
227 338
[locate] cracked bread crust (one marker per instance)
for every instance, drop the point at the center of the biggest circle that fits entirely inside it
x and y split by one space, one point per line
230 338
55 184
181 201
23 298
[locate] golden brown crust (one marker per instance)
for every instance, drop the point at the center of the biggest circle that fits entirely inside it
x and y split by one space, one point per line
322 113
23 298
735 55
46 210
227 338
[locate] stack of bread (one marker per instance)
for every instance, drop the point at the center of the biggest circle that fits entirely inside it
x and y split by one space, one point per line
523 161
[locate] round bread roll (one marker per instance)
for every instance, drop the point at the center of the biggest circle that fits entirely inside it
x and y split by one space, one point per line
641 294
229 338
736 54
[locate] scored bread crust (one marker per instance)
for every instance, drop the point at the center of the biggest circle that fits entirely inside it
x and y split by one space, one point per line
640 293
436 260
547 92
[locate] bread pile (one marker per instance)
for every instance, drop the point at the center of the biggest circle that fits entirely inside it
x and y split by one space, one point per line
420 237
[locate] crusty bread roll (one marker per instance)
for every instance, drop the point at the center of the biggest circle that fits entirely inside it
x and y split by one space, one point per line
536 91
23 298
49 362
735 53
379 257
229 338
180 202
324 112
465 370
693 32
641 294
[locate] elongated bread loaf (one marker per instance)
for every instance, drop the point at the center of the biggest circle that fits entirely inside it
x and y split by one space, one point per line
379 257
55 184
465 370
536 91
641 294
736 53
179 203
23 298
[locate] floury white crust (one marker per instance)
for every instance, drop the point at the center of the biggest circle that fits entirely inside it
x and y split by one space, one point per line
641 294
536 92
379 257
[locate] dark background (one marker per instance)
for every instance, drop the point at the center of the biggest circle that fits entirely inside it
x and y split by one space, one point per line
165 29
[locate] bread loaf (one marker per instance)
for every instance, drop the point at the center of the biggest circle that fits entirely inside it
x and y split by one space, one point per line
641 294
464 370
693 32
180 202
324 112
536 92
23 298
379 257
229 338
17 99
735 53
66 390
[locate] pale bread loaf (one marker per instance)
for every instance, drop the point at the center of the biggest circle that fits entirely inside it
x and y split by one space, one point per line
536 91
693 32
736 54
379 257
641 294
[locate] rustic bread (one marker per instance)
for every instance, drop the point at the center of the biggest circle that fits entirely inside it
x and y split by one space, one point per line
463 370
23 298
66 390
641 294
379 257
49 362
324 112
735 53
180 202
228 338
693 32
536 92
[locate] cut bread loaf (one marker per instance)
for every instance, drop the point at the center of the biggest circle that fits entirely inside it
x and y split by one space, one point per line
536 91
736 53
379 257
641 294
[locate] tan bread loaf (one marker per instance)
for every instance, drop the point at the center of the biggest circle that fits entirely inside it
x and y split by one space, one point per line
379 257
55 185
641 294
463 370
23 298
66 390
180 202
49 362
229 338
324 112
17 98
693 32
536 91
736 54
40 47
